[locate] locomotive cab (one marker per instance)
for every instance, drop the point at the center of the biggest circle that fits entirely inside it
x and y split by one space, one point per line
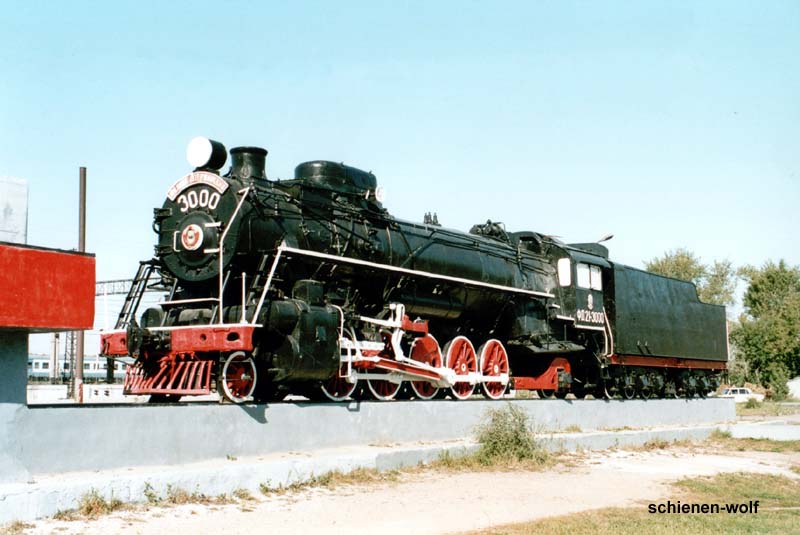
582 277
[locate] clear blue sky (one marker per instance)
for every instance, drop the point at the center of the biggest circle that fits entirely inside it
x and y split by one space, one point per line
668 124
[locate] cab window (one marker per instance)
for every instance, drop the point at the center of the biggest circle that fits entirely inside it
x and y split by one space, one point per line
583 276
564 272
589 277
596 278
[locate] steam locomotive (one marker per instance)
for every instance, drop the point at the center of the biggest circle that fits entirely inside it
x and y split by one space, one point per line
309 286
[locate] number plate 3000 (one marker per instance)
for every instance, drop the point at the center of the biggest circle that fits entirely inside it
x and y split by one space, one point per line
203 198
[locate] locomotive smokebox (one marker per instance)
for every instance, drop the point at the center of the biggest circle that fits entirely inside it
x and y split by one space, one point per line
249 163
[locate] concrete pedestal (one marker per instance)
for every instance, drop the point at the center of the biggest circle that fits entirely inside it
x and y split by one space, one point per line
13 378
41 290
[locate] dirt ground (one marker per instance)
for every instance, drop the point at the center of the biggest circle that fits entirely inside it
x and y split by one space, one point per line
439 503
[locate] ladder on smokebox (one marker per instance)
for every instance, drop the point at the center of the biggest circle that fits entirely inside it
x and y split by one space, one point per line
134 297
190 377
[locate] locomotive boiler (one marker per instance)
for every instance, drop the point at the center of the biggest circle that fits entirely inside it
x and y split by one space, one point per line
309 286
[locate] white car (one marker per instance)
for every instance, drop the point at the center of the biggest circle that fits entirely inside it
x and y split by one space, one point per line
741 395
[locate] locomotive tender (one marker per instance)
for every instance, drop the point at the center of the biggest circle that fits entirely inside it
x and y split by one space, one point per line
309 286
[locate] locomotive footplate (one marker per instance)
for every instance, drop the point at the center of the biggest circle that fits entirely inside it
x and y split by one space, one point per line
176 361
193 338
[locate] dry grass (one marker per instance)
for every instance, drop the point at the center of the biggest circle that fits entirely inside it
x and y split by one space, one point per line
242 495
92 505
765 408
774 493
615 429
474 462
724 440
333 479
15 528
661 444
506 435
655 444
506 441
179 496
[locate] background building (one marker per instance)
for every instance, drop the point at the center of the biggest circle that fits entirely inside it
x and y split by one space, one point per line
13 210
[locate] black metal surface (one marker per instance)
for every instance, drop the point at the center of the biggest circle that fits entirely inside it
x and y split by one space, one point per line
659 316
335 176
249 163
307 213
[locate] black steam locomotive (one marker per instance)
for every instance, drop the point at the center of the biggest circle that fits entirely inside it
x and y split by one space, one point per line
309 286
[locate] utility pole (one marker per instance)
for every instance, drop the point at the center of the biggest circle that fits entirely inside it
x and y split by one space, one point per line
69 358
55 374
78 370
110 363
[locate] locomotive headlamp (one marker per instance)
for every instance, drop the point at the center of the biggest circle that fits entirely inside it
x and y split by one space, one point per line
206 153
192 237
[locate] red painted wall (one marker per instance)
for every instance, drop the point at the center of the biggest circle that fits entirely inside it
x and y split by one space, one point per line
45 289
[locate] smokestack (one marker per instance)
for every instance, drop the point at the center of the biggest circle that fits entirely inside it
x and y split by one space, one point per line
249 163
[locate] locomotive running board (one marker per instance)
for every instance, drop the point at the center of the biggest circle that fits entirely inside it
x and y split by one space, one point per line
427 274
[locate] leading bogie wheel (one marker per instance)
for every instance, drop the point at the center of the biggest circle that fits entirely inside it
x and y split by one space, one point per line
237 379
493 362
425 349
459 355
